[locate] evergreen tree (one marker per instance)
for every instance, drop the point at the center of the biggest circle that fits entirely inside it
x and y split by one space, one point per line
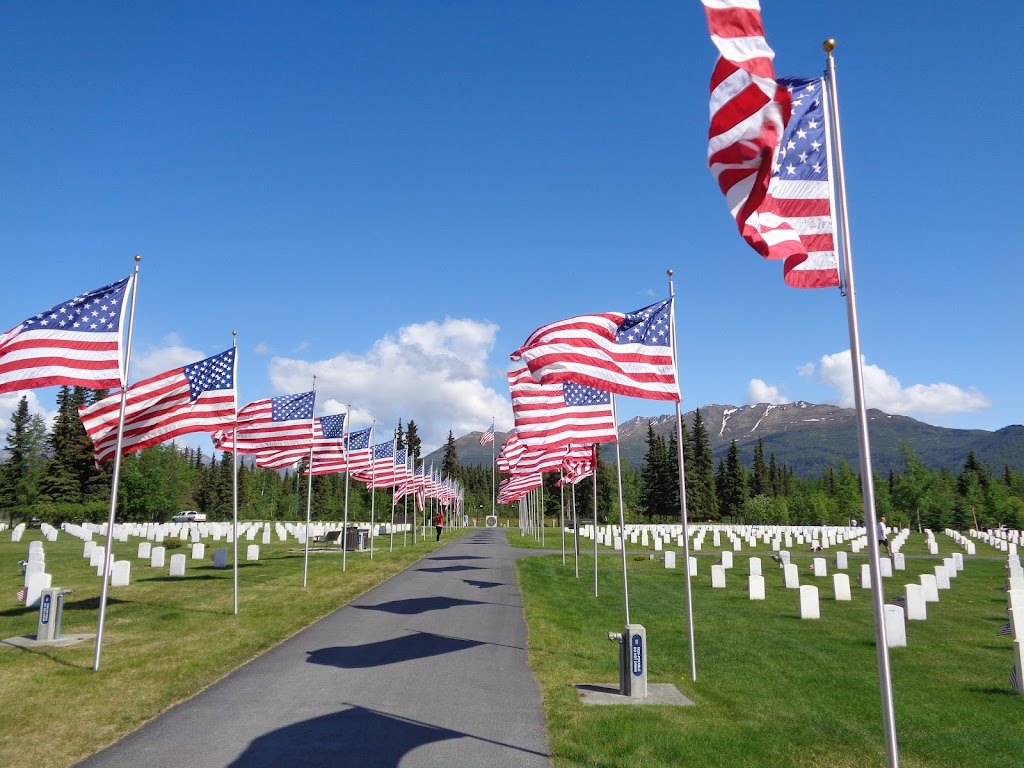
700 474
20 476
652 497
399 437
760 480
775 477
450 464
412 440
732 491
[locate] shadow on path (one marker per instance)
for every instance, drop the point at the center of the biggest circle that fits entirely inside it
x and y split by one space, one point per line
452 568
483 584
420 645
355 737
417 605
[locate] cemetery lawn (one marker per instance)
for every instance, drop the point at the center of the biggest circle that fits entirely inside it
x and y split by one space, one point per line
773 690
164 639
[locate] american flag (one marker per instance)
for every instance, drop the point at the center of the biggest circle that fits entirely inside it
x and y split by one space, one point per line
76 343
382 465
548 460
514 488
199 397
577 469
21 594
488 436
355 457
279 422
1005 629
800 191
511 450
624 353
1014 679
749 112
555 415
327 444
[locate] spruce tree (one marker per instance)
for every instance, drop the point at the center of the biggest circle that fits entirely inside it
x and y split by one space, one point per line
760 481
412 439
450 464
700 474
733 489
651 474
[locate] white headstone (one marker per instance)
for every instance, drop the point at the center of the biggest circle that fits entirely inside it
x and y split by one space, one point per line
886 565
756 587
841 564
120 573
697 545
841 586
809 602
755 566
145 550
670 559
784 556
941 577
220 558
895 627
718 576
36 555
156 557
727 560
791 575
252 552
87 548
916 607
177 565
818 567
950 567
266 534
34 586
865 576
929 587
1018 658
198 551
96 557
693 566
899 562
32 569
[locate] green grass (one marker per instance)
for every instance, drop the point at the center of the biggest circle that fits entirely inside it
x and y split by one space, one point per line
772 689
164 639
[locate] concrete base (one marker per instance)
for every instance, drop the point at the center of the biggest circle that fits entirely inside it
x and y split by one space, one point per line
664 694
29 641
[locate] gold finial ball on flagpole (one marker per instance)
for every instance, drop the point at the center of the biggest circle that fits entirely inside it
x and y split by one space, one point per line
234 333
670 273
138 258
829 45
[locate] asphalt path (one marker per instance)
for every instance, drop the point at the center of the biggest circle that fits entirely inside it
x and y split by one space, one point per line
425 670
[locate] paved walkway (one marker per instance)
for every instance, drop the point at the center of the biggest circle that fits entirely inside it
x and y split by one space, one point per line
426 670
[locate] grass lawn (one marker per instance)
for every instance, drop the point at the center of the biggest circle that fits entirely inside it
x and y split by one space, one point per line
772 689
164 639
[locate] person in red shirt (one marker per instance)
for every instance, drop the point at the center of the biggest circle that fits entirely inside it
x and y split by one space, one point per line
439 523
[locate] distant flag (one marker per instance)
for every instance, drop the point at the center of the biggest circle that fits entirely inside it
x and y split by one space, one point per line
1005 629
1014 679
772 167
21 594
324 448
356 456
900 601
199 397
76 343
624 353
558 414
488 436
272 423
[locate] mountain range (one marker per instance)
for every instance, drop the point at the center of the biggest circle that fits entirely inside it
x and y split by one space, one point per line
803 436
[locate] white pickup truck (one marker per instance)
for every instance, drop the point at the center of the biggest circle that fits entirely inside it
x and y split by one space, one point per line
189 516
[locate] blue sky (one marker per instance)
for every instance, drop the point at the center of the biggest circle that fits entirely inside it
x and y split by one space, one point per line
392 195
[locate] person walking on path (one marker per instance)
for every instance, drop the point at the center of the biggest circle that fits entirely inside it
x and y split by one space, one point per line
883 536
439 523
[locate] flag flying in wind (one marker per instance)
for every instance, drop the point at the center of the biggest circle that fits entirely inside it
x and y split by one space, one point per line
555 415
327 445
199 397
488 436
624 353
354 458
749 113
76 343
800 190
272 423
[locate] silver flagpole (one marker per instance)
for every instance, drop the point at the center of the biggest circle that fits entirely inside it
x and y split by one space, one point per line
866 476
493 441
309 491
561 508
595 516
575 530
622 513
346 442
394 483
117 470
234 482
682 490
373 477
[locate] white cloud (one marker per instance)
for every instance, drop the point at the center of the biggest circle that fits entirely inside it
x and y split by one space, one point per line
430 372
885 392
9 404
154 360
261 349
759 391
807 369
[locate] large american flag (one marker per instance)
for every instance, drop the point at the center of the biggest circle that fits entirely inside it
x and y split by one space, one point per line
327 445
273 423
515 487
355 457
554 415
624 353
800 191
76 343
199 397
749 112
382 465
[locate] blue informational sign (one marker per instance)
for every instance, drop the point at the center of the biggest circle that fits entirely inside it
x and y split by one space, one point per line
44 609
637 651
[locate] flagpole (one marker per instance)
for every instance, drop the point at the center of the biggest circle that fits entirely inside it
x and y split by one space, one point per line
493 441
622 513
346 442
866 476
575 531
682 490
394 482
234 483
373 477
595 514
107 555
309 491
561 507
